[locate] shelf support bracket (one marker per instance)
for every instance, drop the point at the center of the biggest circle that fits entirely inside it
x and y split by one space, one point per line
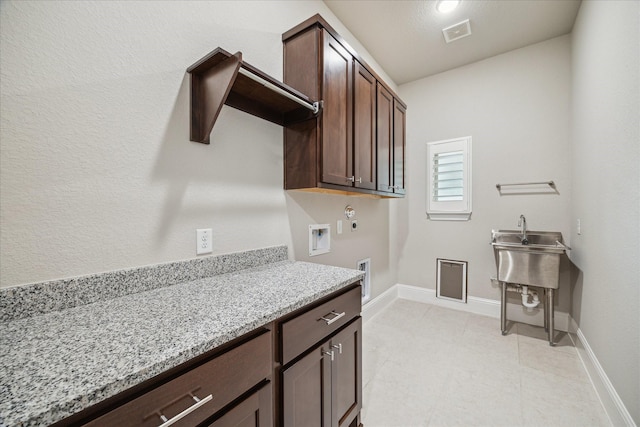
209 92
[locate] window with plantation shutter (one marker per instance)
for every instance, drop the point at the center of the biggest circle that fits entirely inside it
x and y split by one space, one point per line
449 175
448 170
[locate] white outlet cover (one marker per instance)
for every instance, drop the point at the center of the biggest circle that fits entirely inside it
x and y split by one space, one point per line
204 243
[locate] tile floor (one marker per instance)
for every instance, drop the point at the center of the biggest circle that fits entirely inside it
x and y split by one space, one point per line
424 365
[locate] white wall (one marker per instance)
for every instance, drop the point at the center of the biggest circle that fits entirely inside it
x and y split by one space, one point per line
606 189
97 170
516 108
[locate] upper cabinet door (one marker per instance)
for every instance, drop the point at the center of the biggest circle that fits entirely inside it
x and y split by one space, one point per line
399 145
364 127
385 139
337 113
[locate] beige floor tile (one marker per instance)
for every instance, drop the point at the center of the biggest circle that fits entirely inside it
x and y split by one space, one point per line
536 335
388 404
425 365
483 324
550 400
491 352
546 359
476 396
372 361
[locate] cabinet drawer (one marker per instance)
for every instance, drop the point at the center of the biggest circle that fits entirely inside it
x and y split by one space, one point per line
215 384
303 331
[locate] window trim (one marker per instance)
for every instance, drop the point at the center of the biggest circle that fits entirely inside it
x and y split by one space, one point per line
449 210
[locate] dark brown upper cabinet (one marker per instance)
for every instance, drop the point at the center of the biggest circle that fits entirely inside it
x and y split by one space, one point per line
391 142
399 146
222 78
336 85
364 127
385 139
338 151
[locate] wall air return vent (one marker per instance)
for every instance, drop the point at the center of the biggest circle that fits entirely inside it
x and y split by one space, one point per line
457 31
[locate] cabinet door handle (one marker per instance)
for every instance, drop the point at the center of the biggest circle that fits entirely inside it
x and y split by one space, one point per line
181 415
329 353
339 347
351 179
359 180
336 317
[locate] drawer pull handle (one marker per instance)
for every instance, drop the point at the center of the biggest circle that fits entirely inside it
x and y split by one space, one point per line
181 415
336 317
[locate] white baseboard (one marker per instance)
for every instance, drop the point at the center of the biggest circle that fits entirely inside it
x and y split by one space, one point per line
377 304
613 405
476 305
615 408
484 306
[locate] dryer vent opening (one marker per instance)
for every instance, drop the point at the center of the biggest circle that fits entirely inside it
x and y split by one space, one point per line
451 280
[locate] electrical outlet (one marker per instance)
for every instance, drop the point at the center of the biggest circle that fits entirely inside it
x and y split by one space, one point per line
203 241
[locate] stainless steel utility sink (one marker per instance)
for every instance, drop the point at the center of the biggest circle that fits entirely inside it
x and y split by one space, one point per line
530 258
534 262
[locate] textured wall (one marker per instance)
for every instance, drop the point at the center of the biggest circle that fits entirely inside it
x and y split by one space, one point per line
606 189
516 108
97 170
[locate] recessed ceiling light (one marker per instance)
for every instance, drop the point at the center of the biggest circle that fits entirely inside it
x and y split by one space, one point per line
446 6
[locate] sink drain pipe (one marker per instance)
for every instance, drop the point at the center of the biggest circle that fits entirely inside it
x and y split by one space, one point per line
526 293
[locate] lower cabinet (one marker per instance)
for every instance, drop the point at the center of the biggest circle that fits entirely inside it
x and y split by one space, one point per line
323 388
302 370
254 411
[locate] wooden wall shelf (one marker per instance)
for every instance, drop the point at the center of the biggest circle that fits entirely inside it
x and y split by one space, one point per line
222 78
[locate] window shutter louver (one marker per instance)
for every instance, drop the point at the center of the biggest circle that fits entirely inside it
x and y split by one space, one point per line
448 176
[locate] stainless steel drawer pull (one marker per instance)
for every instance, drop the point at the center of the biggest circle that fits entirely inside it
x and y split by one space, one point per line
336 317
339 347
181 415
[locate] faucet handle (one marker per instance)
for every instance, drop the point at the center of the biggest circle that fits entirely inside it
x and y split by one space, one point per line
522 218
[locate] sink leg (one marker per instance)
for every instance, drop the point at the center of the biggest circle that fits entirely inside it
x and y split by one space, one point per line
550 312
503 309
546 311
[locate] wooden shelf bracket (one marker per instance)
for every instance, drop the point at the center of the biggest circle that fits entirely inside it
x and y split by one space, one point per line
222 78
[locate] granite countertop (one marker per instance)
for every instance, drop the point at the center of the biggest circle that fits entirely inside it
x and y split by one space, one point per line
56 364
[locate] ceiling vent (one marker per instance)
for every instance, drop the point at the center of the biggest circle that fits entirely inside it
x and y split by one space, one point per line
457 31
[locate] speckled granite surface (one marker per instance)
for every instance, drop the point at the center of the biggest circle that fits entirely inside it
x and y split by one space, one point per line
39 298
59 363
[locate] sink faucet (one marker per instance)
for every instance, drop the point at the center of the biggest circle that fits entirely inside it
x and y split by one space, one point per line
522 222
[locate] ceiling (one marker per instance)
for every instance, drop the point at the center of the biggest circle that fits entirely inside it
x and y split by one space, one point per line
405 36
